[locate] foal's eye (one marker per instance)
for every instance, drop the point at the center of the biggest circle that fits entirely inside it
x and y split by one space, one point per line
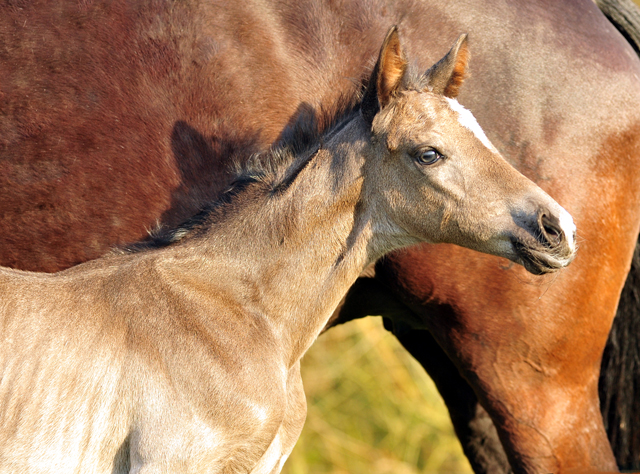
428 156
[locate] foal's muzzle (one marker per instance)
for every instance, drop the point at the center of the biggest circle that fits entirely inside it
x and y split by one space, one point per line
547 242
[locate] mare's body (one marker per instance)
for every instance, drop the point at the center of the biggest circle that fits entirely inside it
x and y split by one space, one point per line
116 116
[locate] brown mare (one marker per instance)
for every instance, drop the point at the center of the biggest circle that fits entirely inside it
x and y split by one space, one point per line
115 116
183 355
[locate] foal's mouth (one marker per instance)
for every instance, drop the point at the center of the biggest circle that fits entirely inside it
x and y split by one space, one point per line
540 259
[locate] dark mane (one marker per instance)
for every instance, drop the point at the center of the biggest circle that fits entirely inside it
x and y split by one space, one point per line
162 237
275 168
298 143
304 135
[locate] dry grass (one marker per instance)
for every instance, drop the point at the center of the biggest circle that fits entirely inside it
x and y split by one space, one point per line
372 409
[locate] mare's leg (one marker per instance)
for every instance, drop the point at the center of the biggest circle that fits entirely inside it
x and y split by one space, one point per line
531 351
619 381
619 384
472 424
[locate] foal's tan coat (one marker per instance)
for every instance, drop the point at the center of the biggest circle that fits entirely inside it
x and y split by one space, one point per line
185 358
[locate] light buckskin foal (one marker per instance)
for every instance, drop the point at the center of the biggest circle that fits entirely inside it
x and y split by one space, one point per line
184 356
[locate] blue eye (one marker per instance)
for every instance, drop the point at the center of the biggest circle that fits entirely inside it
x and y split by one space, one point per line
428 157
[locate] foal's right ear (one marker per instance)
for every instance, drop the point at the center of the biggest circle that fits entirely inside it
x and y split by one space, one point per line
446 76
386 77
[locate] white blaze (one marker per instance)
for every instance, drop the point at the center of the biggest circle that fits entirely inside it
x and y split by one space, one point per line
568 227
468 121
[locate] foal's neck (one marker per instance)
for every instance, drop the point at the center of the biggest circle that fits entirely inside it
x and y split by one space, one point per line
310 242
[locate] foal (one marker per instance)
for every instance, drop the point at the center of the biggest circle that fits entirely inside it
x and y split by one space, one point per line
184 356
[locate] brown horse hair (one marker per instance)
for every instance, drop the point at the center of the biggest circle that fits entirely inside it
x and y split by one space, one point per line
619 382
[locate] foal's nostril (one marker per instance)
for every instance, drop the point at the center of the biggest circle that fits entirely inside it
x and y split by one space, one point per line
551 232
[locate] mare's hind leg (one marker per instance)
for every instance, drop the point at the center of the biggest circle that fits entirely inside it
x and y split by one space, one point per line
472 424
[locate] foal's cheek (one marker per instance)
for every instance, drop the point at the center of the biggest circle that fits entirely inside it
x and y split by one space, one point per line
447 181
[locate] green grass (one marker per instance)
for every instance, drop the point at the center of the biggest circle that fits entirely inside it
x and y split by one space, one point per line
372 409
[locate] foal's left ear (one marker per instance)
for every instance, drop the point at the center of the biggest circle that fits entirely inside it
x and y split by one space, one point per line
446 76
386 77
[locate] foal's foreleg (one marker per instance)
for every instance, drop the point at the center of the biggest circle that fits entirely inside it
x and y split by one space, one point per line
290 429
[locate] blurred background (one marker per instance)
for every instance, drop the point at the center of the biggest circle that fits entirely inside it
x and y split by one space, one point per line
371 409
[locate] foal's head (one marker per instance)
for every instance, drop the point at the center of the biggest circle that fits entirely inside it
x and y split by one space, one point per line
429 157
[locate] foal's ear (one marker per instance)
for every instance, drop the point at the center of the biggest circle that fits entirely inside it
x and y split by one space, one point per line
386 77
446 76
